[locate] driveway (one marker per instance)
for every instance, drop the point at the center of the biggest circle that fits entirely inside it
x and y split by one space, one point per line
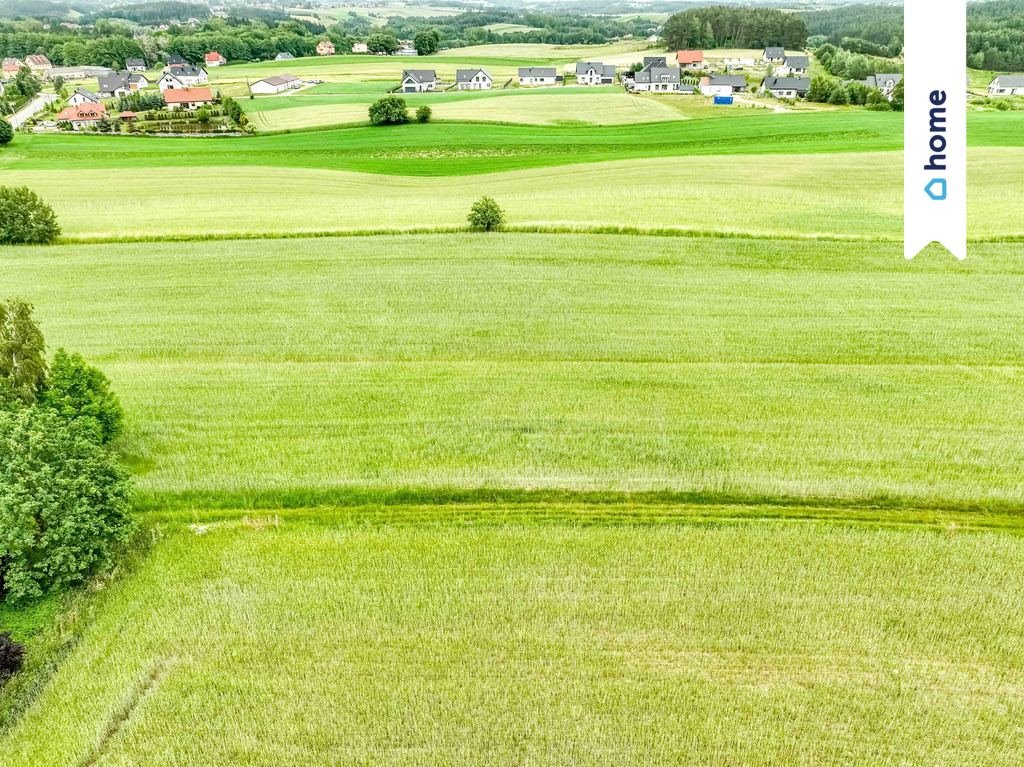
38 104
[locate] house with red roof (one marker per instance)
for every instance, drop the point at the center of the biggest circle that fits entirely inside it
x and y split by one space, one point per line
82 115
214 59
11 67
691 59
188 98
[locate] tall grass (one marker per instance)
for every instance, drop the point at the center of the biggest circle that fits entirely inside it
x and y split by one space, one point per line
724 368
268 642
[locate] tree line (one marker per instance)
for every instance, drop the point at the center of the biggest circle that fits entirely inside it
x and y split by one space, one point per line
734 27
995 32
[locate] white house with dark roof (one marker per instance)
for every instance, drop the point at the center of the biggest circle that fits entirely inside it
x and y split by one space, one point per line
773 55
658 79
111 86
594 73
793 66
473 80
886 83
121 84
786 87
532 77
82 96
723 85
275 84
182 77
419 80
1007 85
135 65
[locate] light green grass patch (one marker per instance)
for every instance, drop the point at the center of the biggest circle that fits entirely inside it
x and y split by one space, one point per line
584 362
847 195
541 107
265 643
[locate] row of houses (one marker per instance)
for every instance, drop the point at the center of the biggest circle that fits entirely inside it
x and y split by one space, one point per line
85 109
787 66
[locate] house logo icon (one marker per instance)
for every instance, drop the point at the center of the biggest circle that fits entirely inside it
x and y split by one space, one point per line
937 189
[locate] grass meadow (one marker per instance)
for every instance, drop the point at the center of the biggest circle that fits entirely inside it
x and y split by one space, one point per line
716 366
493 644
567 106
689 466
852 196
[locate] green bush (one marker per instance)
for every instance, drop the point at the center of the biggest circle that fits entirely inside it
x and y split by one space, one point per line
77 391
25 219
486 215
64 503
390 110
423 114
6 132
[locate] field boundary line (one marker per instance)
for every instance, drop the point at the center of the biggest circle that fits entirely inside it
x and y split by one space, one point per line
622 231
514 229
453 497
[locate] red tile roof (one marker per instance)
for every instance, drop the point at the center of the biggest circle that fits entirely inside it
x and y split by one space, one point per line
214 56
187 95
83 113
690 57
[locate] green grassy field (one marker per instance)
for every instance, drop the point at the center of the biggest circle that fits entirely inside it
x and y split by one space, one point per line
580 106
601 489
754 368
783 196
545 644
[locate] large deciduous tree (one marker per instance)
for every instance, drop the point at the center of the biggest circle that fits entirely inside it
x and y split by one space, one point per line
25 219
22 351
64 503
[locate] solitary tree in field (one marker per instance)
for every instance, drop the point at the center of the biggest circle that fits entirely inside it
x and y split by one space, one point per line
6 132
423 114
427 42
22 351
390 110
25 219
486 215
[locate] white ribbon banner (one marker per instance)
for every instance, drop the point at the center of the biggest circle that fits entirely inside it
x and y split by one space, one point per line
935 135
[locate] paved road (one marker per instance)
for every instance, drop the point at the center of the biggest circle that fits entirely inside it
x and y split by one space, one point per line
38 104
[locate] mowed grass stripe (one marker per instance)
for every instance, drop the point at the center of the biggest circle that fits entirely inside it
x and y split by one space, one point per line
466 149
841 196
527 361
308 644
461 149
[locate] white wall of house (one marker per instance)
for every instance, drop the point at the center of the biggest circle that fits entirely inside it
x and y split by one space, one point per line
656 87
412 86
783 71
264 88
78 98
480 82
717 90
189 105
994 89
529 82
591 77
